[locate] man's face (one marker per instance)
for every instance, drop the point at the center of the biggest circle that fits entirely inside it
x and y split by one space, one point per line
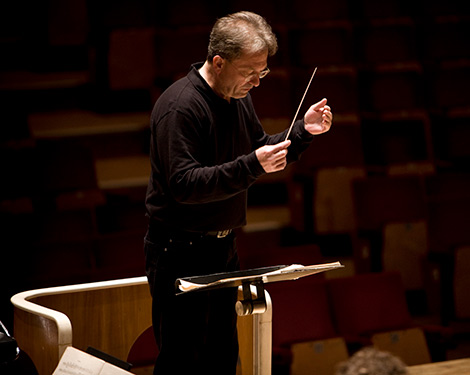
239 76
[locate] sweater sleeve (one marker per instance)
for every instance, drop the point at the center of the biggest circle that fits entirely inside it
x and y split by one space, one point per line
187 160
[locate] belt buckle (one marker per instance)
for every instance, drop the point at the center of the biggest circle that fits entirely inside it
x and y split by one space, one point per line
223 233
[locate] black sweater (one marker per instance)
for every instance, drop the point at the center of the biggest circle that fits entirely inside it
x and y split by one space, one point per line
203 156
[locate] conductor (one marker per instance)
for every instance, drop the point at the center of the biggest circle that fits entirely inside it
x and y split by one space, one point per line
207 148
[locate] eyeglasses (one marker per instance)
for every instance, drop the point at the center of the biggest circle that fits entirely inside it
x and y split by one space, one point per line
250 76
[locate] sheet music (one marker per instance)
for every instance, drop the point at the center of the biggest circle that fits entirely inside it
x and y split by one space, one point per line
291 272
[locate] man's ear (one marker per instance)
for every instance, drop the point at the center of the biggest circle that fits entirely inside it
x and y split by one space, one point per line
218 63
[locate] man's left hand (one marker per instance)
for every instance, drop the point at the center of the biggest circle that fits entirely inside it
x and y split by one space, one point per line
318 118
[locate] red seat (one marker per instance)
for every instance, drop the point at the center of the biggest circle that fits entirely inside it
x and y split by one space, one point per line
336 37
449 85
381 84
369 303
388 41
379 200
300 254
144 351
300 314
396 139
300 311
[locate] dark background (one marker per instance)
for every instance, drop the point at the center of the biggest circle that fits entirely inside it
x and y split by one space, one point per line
396 74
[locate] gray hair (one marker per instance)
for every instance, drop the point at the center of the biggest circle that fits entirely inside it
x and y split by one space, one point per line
371 361
241 32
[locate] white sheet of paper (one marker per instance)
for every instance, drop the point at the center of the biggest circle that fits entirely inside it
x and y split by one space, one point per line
77 362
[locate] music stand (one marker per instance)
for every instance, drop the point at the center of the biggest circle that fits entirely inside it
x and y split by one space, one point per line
256 277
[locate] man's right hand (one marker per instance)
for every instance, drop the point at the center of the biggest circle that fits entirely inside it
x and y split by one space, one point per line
273 157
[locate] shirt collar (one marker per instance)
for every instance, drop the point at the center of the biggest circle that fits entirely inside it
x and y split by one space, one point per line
201 85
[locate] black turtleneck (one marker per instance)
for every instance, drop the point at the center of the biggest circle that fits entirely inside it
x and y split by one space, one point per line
203 156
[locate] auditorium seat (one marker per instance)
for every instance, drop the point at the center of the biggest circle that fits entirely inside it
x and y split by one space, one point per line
339 84
447 186
323 155
439 9
14 162
114 173
275 12
460 319
173 62
302 325
368 303
64 165
143 352
335 38
381 199
405 249
397 138
306 255
408 344
443 38
387 40
333 203
131 59
318 357
448 83
46 260
325 150
448 223
392 87
375 303
183 13
264 248
119 255
301 311
254 246
419 168
373 10
451 134
462 283
305 12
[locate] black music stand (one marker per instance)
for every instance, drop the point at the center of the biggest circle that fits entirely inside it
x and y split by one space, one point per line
256 277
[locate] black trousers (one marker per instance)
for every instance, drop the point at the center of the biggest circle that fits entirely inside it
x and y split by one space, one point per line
196 333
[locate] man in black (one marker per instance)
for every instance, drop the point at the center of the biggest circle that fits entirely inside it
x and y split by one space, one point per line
207 148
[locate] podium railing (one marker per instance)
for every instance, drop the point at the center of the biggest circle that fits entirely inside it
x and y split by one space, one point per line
110 316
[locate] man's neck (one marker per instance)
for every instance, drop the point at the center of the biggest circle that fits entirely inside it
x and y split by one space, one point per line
207 73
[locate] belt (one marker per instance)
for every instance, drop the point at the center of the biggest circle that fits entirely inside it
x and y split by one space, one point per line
220 233
160 230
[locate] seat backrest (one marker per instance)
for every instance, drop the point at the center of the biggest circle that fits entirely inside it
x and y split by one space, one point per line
144 350
333 201
306 255
404 250
318 357
409 344
462 282
380 199
368 303
300 311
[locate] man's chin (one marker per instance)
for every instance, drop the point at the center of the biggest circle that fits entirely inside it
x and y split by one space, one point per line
242 94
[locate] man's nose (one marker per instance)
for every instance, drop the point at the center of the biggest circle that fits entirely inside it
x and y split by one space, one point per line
255 80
